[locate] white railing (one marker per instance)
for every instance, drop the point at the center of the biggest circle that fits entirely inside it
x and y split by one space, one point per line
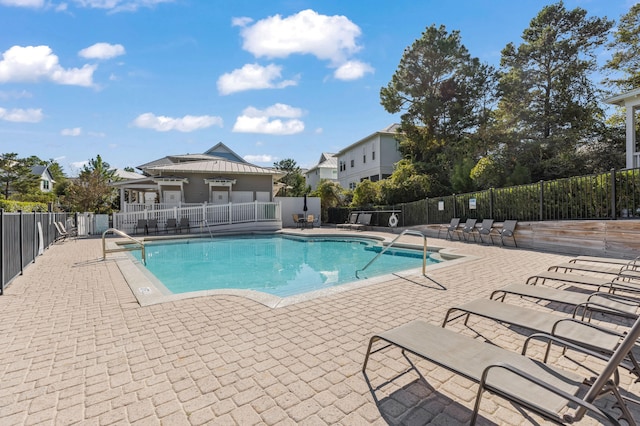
139 207
209 214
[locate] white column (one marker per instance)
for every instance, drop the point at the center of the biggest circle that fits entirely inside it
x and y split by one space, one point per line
631 135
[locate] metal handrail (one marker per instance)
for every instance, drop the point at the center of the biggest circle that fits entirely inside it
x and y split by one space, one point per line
129 237
406 231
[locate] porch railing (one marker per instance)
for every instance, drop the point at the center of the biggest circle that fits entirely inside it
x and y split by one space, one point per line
140 207
211 214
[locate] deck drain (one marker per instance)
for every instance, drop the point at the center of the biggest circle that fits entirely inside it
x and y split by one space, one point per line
144 290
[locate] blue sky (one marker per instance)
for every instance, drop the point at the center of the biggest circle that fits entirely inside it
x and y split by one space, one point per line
135 80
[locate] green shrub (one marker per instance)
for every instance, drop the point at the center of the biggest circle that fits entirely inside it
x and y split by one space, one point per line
14 206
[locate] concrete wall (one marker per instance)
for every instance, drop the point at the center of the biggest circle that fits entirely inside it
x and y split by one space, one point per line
612 238
294 205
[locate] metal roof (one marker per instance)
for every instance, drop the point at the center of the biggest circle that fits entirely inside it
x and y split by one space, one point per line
213 166
389 130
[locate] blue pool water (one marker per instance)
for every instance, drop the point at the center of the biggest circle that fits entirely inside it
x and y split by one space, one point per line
275 264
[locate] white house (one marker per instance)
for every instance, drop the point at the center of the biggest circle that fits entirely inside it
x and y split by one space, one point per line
327 168
46 180
631 101
373 157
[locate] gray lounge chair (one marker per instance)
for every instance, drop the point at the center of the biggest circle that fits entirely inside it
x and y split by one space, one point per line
585 334
353 219
598 269
172 224
468 229
607 260
624 282
364 222
508 230
152 224
184 224
62 234
545 389
142 224
486 228
605 303
451 228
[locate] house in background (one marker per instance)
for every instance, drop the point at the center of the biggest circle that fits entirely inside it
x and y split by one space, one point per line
327 168
46 180
631 102
218 176
373 158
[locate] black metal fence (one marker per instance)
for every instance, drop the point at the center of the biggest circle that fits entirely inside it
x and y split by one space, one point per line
611 195
22 237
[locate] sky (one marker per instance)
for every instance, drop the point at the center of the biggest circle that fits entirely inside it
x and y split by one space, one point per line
136 80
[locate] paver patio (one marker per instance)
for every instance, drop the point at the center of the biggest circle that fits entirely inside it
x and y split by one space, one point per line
77 348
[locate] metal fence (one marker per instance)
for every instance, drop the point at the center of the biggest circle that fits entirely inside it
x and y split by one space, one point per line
611 195
23 236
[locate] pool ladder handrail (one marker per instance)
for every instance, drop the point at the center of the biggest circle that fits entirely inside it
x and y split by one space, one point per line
140 245
206 223
405 232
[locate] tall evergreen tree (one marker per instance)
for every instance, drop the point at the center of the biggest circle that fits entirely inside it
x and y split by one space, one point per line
441 92
626 52
549 105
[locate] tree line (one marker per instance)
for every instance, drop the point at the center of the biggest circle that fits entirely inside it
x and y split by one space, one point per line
467 125
89 192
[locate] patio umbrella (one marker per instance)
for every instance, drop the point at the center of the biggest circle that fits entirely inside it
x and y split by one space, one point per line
305 203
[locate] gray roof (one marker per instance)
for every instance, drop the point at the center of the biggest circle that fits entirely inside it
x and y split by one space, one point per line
389 130
219 165
330 162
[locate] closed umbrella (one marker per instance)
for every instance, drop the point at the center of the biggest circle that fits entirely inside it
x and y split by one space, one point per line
305 203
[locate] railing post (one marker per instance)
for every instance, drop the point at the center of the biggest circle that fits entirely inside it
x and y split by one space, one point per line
614 208
255 210
541 200
21 239
230 214
427 209
455 214
491 202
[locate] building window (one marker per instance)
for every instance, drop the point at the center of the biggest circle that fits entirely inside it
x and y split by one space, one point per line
373 155
364 158
352 163
45 184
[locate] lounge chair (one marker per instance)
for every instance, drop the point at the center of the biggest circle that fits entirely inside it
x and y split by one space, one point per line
486 228
72 232
468 229
451 228
607 260
598 269
62 234
353 219
624 282
585 334
364 222
142 224
172 224
605 303
152 224
184 224
545 389
508 230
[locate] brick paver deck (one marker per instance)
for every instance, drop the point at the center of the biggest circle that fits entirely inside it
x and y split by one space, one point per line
78 349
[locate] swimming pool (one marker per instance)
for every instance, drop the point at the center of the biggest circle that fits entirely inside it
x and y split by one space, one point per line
279 265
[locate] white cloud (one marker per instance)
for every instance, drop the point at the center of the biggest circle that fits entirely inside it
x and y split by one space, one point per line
102 51
23 3
319 131
260 158
352 70
119 5
97 134
19 115
35 63
241 21
254 120
188 123
76 131
330 38
252 76
4 96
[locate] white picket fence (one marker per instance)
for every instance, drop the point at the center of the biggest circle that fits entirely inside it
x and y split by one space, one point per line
203 216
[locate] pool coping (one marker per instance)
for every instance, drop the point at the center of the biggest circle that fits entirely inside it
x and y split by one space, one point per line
148 290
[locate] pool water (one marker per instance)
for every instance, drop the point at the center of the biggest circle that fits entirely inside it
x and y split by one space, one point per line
276 264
